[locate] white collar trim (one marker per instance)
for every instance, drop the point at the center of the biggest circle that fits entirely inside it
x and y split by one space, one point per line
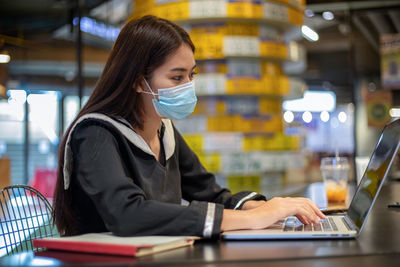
129 133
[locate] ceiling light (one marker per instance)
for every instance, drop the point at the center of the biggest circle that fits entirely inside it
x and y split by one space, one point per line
307 117
288 116
16 96
4 57
324 116
394 112
327 15
315 101
342 117
309 13
309 33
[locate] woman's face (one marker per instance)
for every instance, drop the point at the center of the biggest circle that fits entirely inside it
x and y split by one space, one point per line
177 69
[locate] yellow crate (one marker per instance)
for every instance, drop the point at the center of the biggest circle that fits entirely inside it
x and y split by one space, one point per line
271 85
214 108
253 143
208 46
140 4
173 11
247 143
266 143
212 124
271 144
281 142
273 125
194 141
218 123
271 68
278 142
284 87
245 125
256 125
237 183
220 108
142 12
286 2
227 123
293 142
258 143
208 29
257 10
295 16
244 9
242 29
244 86
268 105
237 123
273 49
299 4
210 161
211 67
227 29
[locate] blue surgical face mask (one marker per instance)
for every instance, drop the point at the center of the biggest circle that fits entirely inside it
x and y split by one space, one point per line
175 102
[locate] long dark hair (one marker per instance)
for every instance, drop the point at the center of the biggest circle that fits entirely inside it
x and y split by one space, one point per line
142 46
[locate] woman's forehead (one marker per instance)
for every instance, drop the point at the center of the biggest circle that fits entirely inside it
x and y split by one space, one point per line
180 59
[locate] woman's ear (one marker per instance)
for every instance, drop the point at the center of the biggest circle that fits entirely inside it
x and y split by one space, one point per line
139 88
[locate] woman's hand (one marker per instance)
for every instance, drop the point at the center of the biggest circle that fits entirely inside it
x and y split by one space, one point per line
279 208
269 212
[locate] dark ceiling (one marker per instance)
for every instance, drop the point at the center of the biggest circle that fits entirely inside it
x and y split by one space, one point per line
27 19
348 49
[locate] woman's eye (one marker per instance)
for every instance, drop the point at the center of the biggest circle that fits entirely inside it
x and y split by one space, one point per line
177 78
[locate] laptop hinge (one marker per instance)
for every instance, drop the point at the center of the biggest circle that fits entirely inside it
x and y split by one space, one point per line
349 223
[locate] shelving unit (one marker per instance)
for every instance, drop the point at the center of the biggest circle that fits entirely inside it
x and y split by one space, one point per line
237 128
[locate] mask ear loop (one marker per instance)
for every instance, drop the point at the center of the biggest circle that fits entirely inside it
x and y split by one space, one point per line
151 91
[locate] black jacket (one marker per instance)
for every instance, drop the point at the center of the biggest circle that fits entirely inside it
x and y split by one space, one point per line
119 186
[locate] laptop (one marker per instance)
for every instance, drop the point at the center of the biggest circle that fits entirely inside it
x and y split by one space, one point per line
350 224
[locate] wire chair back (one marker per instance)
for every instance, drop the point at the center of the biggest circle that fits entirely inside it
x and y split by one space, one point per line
25 215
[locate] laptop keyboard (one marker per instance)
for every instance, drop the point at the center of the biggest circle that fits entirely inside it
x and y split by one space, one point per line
292 224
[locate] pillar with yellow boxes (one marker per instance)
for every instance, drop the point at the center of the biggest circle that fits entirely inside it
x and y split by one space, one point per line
237 127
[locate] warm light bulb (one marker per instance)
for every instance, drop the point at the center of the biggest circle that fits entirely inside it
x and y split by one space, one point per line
288 116
328 15
309 33
4 58
324 116
342 117
307 117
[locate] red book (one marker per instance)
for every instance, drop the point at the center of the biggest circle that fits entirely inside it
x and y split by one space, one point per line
107 243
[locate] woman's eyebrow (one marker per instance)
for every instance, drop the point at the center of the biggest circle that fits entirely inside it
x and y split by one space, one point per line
182 69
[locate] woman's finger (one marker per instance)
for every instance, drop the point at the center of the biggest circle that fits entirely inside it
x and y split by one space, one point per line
316 209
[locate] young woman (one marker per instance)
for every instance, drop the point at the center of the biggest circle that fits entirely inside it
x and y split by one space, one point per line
124 168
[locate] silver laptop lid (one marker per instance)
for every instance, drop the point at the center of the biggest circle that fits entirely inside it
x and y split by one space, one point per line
375 174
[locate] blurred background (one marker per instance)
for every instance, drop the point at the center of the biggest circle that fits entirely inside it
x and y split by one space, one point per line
280 83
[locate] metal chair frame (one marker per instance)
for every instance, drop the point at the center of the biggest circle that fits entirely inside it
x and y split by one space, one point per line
25 215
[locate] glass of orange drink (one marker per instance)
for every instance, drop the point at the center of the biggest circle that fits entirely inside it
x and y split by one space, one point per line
335 174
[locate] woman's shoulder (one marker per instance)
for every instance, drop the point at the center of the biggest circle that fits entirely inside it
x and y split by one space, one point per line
96 122
94 128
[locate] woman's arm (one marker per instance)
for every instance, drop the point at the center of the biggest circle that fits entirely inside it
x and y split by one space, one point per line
251 204
242 211
264 214
199 184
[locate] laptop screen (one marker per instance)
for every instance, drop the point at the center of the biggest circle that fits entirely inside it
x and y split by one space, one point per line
375 173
